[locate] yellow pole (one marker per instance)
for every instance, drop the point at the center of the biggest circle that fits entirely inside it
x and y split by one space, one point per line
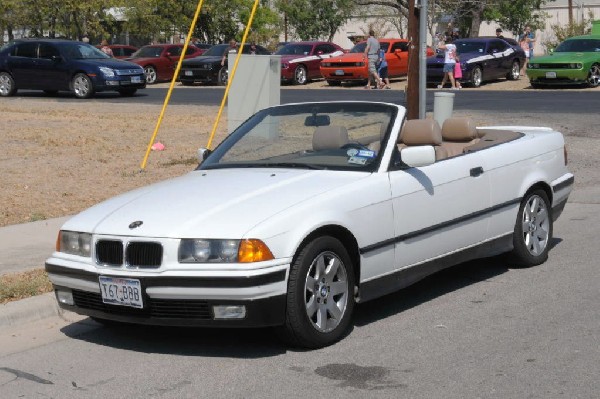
232 74
173 80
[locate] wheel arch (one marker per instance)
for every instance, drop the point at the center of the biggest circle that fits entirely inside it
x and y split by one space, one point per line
74 73
344 236
540 185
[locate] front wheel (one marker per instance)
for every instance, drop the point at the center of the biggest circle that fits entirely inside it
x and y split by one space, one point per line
82 86
151 75
223 76
594 76
515 71
476 77
7 85
300 75
533 229
320 298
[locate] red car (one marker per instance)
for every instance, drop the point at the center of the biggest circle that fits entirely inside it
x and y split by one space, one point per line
300 61
121 51
352 67
160 60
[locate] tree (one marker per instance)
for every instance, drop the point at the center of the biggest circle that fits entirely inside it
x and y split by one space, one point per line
514 15
314 19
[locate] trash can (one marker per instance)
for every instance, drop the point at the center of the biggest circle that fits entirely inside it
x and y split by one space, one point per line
443 104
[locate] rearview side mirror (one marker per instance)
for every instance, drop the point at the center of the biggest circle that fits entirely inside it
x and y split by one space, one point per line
417 156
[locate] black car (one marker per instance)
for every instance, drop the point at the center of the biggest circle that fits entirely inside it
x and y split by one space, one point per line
64 65
207 68
481 59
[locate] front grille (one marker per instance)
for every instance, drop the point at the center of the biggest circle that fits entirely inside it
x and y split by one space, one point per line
109 252
144 254
138 254
128 72
555 66
342 64
159 308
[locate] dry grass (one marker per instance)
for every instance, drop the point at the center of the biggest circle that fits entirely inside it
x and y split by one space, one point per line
23 285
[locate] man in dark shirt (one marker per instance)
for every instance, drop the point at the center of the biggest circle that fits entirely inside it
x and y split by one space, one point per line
499 33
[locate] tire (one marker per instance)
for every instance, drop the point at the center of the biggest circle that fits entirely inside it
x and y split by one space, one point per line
82 86
127 92
300 75
7 85
476 77
315 317
223 76
594 76
515 71
334 82
151 75
533 229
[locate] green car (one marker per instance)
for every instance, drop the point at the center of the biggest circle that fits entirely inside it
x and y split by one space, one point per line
576 61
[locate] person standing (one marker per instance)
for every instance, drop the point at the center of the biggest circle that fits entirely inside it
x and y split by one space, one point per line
231 49
529 37
372 54
457 72
524 44
449 63
382 70
105 49
499 34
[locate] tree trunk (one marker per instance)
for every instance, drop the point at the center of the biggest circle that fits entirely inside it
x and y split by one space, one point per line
476 20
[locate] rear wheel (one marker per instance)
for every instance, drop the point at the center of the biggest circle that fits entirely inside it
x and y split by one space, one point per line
533 229
515 71
151 75
594 76
82 86
300 75
476 77
7 85
223 76
320 298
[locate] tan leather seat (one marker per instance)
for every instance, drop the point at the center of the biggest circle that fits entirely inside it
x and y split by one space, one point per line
422 132
458 133
329 137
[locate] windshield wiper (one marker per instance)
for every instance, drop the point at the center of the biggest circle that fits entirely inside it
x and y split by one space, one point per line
289 165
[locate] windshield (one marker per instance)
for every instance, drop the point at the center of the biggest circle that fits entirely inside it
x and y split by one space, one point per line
469 47
579 46
336 135
217 50
148 52
295 49
82 51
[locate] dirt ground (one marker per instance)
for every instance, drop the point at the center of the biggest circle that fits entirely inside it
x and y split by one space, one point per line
58 158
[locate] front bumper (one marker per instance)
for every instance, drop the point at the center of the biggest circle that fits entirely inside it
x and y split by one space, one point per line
198 75
180 300
558 77
118 83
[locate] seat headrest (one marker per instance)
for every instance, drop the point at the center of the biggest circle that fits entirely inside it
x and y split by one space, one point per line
329 137
421 132
459 129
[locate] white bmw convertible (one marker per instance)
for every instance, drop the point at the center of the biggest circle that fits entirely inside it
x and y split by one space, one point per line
307 209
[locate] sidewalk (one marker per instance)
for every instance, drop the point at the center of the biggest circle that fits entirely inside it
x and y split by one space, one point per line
26 247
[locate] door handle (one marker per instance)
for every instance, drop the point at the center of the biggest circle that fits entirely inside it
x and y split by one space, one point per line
476 171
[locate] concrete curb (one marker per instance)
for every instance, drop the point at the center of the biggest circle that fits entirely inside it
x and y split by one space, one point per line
29 310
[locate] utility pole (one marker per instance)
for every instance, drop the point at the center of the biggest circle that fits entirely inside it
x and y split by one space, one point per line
570 13
412 87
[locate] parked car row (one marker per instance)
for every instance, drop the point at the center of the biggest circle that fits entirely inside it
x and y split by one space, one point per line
62 65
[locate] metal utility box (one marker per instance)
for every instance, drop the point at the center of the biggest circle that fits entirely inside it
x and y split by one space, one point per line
256 85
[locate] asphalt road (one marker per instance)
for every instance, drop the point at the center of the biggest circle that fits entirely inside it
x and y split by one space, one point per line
479 330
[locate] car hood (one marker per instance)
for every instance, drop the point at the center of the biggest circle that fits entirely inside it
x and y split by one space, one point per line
556 58
221 203
347 57
110 63
201 60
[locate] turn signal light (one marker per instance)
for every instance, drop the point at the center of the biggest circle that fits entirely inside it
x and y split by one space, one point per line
254 250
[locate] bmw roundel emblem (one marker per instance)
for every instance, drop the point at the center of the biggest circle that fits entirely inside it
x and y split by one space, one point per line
136 224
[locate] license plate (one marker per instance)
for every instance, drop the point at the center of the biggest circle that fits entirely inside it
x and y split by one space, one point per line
189 73
339 72
551 75
121 291
135 79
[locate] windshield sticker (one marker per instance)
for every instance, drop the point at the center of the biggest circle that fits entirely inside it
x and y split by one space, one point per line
358 160
352 152
366 153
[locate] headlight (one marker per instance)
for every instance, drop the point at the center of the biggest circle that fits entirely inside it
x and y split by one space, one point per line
359 64
532 66
107 72
575 66
74 243
223 251
326 64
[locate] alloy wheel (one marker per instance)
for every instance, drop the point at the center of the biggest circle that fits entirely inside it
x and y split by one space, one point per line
81 86
535 225
594 76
